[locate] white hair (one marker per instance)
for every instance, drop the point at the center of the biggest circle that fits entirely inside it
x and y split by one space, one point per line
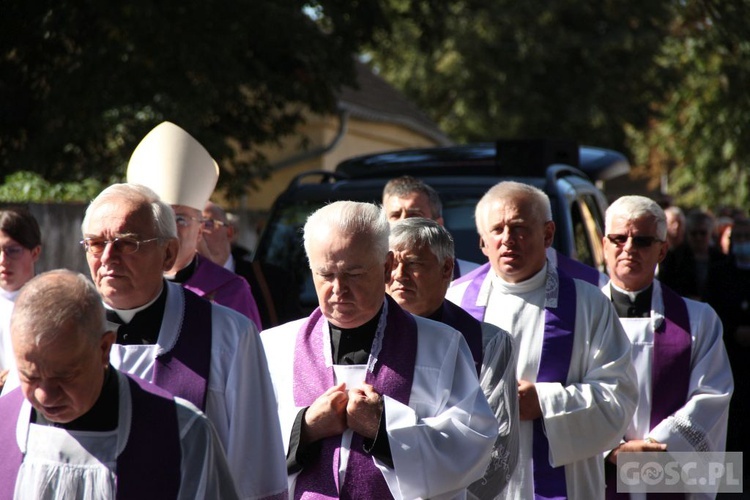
353 218
541 207
635 207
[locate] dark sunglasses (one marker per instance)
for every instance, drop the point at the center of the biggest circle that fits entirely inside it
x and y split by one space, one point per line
638 241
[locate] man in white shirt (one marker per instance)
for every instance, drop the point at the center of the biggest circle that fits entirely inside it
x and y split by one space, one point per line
78 428
374 403
577 389
684 379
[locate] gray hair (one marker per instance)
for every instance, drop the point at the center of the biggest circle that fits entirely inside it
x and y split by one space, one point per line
353 218
164 222
541 207
406 185
677 212
58 302
418 232
637 207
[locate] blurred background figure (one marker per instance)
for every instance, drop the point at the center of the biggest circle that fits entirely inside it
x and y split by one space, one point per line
685 268
728 292
270 284
20 246
675 226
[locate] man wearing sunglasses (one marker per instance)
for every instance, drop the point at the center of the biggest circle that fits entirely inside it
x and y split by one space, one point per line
182 173
684 378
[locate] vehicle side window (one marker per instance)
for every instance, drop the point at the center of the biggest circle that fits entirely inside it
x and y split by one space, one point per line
587 234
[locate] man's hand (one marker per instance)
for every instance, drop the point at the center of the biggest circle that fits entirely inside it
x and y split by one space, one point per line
364 410
635 445
528 401
326 416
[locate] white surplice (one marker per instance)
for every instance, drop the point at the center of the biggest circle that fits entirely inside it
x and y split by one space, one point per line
440 442
83 464
587 415
701 424
240 401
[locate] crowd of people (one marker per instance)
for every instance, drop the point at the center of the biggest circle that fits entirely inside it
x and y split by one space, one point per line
182 369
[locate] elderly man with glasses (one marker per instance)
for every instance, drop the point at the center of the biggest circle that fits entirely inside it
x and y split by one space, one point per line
200 351
182 173
684 379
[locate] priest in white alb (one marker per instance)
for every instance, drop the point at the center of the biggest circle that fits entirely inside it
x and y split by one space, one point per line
374 403
78 428
577 388
684 379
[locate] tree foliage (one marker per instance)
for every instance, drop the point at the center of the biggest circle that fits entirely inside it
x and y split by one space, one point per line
83 82
666 80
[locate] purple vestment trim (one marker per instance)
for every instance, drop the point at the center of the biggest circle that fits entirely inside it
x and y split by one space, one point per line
392 375
184 370
578 270
470 328
469 300
557 349
10 454
670 370
218 284
148 467
142 472
670 377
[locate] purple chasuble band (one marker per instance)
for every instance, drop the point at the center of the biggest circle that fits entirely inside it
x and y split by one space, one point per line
670 377
149 466
183 371
392 375
670 370
557 350
469 300
10 454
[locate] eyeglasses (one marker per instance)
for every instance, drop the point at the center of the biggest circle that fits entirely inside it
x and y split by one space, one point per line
638 241
12 252
184 220
124 245
211 224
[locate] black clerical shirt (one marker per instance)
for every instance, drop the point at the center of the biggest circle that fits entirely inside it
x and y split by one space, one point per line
350 346
145 325
103 416
638 308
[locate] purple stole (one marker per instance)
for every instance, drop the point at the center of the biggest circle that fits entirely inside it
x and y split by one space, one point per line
576 269
148 467
670 374
183 371
557 348
217 284
470 328
469 300
392 375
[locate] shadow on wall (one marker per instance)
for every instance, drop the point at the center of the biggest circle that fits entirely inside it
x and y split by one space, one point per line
60 225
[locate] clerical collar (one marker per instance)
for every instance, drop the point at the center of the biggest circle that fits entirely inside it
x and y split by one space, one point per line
102 417
145 325
351 346
126 315
632 304
437 315
631 294
185 273
536 281
230 264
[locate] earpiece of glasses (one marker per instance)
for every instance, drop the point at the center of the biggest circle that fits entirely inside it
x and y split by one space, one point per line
638 241
125 245
211 224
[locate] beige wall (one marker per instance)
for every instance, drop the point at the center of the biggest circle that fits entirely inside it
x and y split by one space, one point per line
362 137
